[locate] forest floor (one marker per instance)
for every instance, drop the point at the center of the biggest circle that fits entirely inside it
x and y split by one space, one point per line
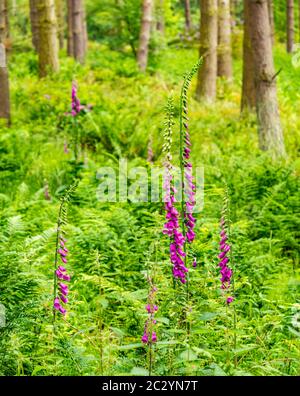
111 244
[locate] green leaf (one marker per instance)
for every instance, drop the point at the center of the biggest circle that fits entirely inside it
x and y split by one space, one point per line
208 316
188 355
139 371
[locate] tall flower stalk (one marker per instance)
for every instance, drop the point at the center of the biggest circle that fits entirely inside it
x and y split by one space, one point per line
60 289
172 227
226 263
149 336
186 234
76 109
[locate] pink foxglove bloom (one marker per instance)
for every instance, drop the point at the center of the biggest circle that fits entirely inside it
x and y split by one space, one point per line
61 274
225 271
149 335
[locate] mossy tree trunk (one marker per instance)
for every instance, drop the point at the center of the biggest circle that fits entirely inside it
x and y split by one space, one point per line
60 16
207 75
34 21
48 42
224 40
142 54
269 127
248 101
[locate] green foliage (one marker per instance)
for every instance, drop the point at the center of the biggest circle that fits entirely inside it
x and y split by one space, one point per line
110 244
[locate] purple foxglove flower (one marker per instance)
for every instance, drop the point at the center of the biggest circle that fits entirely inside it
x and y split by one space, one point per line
229 300
154 337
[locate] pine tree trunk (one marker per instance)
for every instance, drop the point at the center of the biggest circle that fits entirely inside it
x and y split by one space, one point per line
290 25
70 45
232 13
4 87
269 128
60 16
34 24
187 14
4 27
207 75
248 101
224 40
271 19
48 43
77 30
160 24
6 16
142 55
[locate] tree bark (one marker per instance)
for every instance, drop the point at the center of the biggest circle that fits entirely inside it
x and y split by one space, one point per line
187 14
34 24
142 55
4 23
160 24
224 40
269 128
70 45
48 43
248 101
4 87
271 19
207 75
60 16
290 25
77 31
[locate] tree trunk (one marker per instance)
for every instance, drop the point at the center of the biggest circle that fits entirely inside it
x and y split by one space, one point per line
34 24
77 32
232 13
70 45
269 128
142 55
4 87
271 19
248 101
187 14
224 39
160 24
207 75
290 25
60 16
48 43
4 24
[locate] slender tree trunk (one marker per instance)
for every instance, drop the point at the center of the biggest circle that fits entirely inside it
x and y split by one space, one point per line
269 128
232 13
60 16
207 75
4 24
160 24
48 43
248 101
6 16
4 87
77 31
142 55
271 19
187 14
34 24
70 45
290 25
224 39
